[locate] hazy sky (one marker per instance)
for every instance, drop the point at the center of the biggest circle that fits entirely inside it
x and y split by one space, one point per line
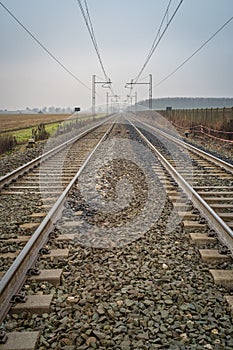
125 30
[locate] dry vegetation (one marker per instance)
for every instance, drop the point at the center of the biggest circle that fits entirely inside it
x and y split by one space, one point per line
215 118
12 122
217 122
14 127
7 143
17 129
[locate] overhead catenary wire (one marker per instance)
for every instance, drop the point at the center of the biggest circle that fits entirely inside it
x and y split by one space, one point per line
87 18
90 28
43 47
159 37
195 52
140 82
101 62
160 27
154 42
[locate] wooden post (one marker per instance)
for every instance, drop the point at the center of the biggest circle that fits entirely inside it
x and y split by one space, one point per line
223 118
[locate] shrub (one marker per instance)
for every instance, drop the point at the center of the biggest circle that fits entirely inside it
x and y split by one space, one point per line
7 143
40 133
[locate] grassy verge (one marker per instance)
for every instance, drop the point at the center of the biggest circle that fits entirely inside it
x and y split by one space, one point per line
8 141
21 136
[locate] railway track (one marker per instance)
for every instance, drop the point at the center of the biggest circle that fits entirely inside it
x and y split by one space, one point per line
121 281
209 182
40 188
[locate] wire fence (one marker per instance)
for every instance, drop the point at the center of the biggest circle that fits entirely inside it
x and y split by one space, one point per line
213 122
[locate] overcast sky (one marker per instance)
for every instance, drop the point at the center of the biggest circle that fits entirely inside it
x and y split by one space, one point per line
124 30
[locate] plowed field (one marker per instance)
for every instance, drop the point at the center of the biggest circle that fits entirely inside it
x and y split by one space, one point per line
10 122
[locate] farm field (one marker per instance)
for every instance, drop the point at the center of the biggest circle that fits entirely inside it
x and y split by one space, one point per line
11 122
17 129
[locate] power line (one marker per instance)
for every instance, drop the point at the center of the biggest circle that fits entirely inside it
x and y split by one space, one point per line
93 35
88 21
160 27
156 42
195 52
43 47
90 28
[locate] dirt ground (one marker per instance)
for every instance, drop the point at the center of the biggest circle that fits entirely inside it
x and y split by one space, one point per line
10 122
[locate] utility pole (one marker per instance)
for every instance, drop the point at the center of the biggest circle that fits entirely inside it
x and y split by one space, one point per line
107 103
105 84
116 97
150 88
136 101
93 95
150 91
130 99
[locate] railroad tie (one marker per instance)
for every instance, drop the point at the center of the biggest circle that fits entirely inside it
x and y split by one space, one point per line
35 304
213 256
21 341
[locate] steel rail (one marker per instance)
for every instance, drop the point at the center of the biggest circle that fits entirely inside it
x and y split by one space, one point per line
219 162
16 275
225 234
8 178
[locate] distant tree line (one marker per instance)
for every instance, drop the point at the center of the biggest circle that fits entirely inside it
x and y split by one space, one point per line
188 102
44 110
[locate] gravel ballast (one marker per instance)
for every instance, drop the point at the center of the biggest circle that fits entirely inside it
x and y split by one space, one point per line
152 292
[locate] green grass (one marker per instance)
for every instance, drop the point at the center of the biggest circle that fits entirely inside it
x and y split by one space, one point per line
51 128
23 135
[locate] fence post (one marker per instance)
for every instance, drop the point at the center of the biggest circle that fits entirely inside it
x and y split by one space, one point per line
223 118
